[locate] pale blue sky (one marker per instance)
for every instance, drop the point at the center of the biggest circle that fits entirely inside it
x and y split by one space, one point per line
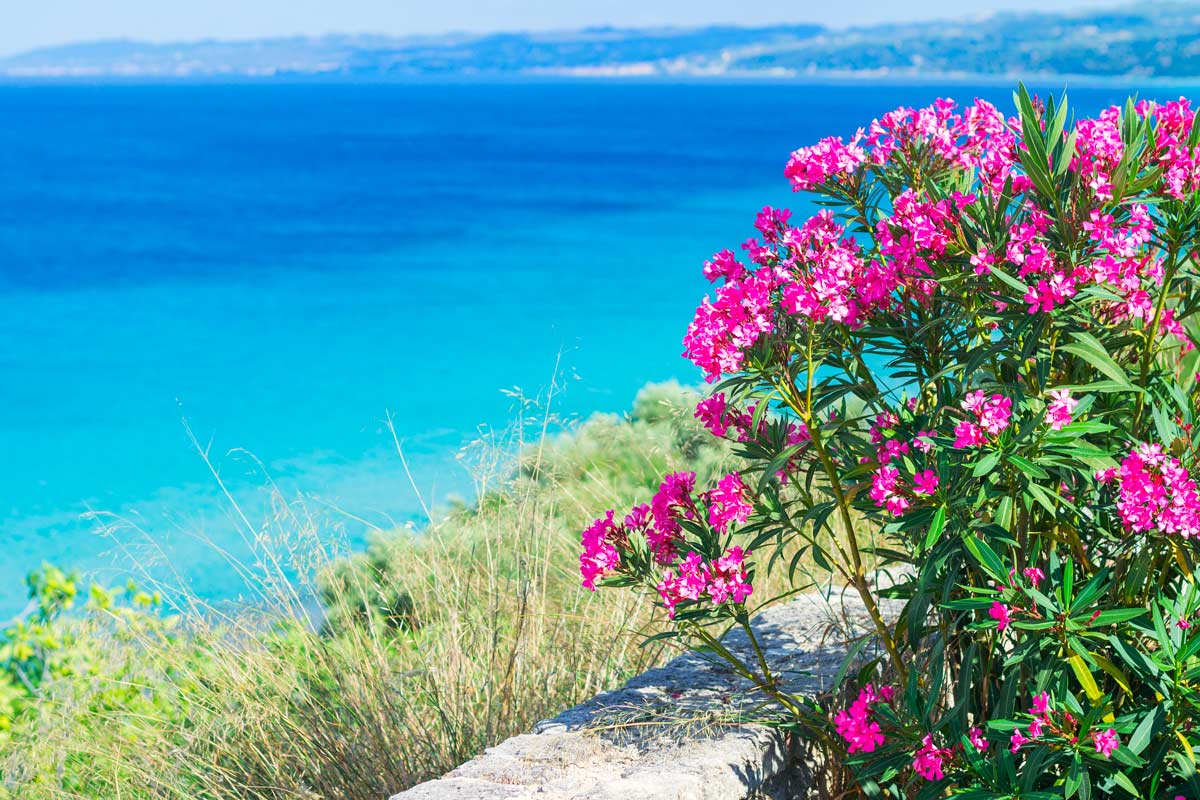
25 24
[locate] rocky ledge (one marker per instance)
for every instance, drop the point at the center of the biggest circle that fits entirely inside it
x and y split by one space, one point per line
676 731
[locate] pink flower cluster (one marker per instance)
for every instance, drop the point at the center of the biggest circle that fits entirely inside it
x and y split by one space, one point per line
724 328
826 278
1181 173
659 524
828 158
672 501
724 265
918 230
723 581
885 490
1045 719
711 412
819 272
1156 493
888 488
855 725
929 760
1098 151
605 539
978 138
600 555
719 417
991 416
1029 250
1123 264
1060 408
728 502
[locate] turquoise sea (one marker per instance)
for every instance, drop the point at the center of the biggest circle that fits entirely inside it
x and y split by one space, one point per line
283 266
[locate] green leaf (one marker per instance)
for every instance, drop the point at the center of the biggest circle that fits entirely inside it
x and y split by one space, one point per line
1101 386
1123 781
986 464
1116 615
936 527
1142 734
986 557
1093 352
1028 467
1071 786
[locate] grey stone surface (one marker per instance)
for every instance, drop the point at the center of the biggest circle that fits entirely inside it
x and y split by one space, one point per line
675 732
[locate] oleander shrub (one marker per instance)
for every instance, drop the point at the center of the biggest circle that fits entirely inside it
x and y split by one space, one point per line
979 355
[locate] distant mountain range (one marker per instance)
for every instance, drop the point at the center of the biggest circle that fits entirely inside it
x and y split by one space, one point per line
1147 40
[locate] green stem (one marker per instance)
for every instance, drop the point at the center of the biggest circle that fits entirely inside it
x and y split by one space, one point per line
1152 332
859 576
765 683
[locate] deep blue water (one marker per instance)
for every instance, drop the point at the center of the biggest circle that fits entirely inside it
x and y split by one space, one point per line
283 265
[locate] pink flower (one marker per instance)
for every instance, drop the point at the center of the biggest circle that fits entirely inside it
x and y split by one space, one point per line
725 580
1036 727
855 725
999 612
1016 741
689 584
983 261
1157 493
1041 704
995 414
600 556
1043 296
1035 576
992 415
728 502
925 482
724 328
1183 624
892 448
728 580
928 761
885 491
828 158
711 412
828 278
1106 742
884 421
968 434
724 265
923 441
1060 408
975 736
1098 150
771 222
672 501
